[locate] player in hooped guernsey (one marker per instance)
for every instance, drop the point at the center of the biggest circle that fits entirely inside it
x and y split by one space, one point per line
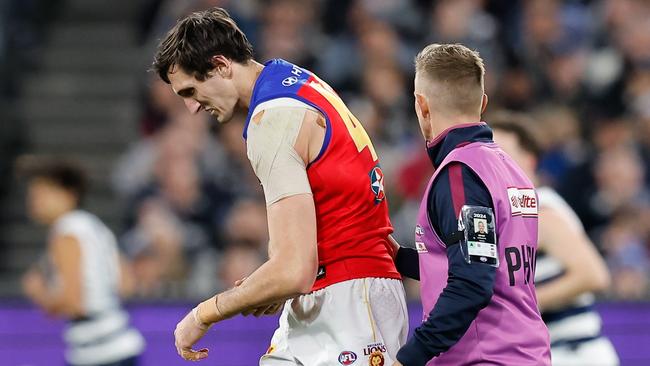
81 276
568 268
330 250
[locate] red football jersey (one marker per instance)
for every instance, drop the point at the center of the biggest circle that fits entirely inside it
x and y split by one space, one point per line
346 181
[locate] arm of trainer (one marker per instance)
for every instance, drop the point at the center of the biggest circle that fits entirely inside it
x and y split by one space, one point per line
281 142
469 286
585 270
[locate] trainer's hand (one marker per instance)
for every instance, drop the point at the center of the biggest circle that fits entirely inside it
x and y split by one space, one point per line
188 332
394 245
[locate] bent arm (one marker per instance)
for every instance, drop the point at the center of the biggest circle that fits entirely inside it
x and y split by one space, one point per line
64 299
585 270
280 145
292 265
469 287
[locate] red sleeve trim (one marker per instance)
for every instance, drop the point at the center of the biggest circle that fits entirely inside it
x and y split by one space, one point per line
456 187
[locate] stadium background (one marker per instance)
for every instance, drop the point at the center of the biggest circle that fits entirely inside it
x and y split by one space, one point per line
178 190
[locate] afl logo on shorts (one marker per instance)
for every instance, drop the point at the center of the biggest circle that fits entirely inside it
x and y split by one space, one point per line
347 358
377 184
288 81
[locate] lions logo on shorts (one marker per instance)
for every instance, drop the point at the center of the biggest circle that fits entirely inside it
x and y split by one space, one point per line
376 359
377 184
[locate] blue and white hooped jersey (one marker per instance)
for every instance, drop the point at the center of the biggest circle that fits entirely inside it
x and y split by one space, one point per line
104 335
577 321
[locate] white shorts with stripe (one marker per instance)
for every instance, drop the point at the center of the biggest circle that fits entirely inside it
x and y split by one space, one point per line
361 322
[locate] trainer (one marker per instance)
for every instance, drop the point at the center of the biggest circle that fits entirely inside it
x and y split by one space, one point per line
477 287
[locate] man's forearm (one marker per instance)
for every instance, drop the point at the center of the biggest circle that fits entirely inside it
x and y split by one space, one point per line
272 282
559 292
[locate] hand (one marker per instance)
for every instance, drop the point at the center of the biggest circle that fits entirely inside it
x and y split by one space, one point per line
262 310
395 246
34 285
188 332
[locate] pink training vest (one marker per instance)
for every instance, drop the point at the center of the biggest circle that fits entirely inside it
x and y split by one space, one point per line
510 330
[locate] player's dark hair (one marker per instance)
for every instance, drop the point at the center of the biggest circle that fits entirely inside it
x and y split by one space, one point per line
195 39
519 125
64 174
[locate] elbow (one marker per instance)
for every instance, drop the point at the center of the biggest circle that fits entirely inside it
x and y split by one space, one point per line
304 286
66 309
479 293
72 309
484 295
300 277
601 280
298 283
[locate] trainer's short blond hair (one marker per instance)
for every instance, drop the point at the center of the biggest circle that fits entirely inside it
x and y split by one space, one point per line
458 71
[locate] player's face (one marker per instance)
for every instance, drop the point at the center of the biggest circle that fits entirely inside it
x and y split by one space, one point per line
216 95
45 201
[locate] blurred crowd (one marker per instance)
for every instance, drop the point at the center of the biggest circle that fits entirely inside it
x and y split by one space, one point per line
22 24
195 220
581 69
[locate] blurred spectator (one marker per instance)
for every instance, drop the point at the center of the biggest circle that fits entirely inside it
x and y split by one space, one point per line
287 32
246 237
177 216
466 22
627 253
560 135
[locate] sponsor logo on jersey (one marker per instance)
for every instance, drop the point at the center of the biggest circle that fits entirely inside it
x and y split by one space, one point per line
377 184
523 201
421 247
321 272
376 359
347 358
290 80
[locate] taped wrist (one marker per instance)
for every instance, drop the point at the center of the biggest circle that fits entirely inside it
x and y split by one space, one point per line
208 312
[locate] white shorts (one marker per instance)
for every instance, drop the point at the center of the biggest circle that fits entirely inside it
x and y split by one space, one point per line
598 352
363 319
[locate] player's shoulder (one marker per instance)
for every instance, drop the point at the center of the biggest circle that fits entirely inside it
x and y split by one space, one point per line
280 77
278 104
76 222
548 197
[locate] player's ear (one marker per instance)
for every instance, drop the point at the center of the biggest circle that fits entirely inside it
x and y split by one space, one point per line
222 66
422 107
484 103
